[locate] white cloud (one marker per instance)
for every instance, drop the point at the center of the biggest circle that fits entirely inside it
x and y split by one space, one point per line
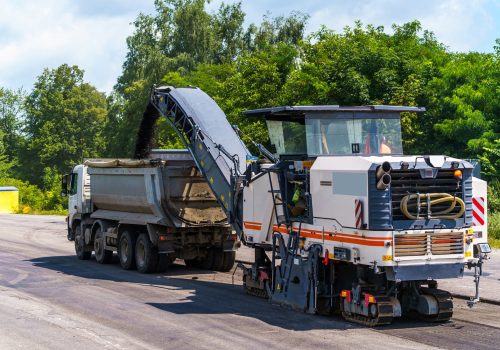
462 25
91 33
35 35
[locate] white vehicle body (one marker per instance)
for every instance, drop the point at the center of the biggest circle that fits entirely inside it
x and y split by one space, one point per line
336 184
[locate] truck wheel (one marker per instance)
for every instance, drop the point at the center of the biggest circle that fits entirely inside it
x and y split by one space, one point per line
71 235
229 258
146 255
196 263
164 261
218 261
208 261
102 256
80 245
126 250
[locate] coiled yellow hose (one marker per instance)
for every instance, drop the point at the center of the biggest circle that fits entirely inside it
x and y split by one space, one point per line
440 198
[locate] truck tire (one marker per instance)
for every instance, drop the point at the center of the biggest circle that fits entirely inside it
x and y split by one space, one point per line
218 261
164 261
208 261
102 256
195 263
126 250
80 245
146 255
71 234
229 259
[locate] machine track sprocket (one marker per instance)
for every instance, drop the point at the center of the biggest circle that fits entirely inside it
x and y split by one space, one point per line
383 315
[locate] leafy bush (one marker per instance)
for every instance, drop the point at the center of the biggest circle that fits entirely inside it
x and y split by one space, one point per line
494 197
494 229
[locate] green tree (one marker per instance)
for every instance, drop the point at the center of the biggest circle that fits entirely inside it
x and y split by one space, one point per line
5 163
11 113
464 107
64 122
181 43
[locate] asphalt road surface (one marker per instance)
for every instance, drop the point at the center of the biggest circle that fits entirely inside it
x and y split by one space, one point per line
51 300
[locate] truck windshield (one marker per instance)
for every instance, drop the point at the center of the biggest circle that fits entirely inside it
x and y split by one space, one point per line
353 133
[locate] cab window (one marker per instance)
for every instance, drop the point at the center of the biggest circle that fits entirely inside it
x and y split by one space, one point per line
73 188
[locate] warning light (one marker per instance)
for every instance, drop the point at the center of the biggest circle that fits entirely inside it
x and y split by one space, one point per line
457 174
369 299
326 259
346 294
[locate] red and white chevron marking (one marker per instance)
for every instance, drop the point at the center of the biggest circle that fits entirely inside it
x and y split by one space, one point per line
358 213
478 206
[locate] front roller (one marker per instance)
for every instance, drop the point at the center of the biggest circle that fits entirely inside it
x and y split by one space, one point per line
437 307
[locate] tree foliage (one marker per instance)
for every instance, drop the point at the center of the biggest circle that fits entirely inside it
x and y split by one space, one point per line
64 123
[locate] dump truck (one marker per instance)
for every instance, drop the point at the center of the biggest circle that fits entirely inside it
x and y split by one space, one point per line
340 220
149 211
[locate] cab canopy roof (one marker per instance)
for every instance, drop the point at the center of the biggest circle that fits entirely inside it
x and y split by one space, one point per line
298 111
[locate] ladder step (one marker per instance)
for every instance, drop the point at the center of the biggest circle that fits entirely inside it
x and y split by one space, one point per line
281 219
274 191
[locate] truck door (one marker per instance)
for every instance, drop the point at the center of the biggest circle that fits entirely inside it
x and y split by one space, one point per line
73 196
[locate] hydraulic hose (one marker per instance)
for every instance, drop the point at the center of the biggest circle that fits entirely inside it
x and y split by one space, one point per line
427 201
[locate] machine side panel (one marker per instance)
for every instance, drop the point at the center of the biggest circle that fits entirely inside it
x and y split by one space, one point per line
332 183
258 210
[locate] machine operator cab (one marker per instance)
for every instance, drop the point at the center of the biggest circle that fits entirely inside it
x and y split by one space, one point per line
309 131
300 134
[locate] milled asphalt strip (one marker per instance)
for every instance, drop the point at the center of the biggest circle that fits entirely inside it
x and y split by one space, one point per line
481 300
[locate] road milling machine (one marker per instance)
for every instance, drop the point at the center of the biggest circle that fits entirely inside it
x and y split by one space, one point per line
339 219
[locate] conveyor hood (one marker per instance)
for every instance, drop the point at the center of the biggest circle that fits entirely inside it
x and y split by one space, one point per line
212 122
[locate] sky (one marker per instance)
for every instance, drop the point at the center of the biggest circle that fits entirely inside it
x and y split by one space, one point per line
38 34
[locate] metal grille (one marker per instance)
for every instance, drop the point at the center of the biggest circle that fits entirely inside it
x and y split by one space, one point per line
406 182
410 245
447 243
428 244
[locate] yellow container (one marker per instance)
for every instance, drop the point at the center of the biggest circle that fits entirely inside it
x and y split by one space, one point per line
9 199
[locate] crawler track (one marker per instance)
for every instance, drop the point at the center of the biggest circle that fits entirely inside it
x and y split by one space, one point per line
383 315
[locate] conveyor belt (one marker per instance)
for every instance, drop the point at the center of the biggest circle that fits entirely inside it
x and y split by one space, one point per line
217 150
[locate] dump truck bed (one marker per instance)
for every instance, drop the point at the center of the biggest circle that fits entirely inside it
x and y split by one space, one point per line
168 190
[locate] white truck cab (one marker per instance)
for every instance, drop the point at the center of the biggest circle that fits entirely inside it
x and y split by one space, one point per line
76 185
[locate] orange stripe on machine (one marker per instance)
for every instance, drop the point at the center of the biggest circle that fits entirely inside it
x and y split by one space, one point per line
326 235
257 226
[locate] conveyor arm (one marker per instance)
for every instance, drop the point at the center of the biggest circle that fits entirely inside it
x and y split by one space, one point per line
217 150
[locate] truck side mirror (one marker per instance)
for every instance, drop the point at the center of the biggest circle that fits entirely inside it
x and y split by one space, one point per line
64 185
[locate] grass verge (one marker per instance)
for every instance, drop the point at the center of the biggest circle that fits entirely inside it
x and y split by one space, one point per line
494 229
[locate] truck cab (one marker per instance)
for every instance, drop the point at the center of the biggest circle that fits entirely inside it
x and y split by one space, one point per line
76 186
